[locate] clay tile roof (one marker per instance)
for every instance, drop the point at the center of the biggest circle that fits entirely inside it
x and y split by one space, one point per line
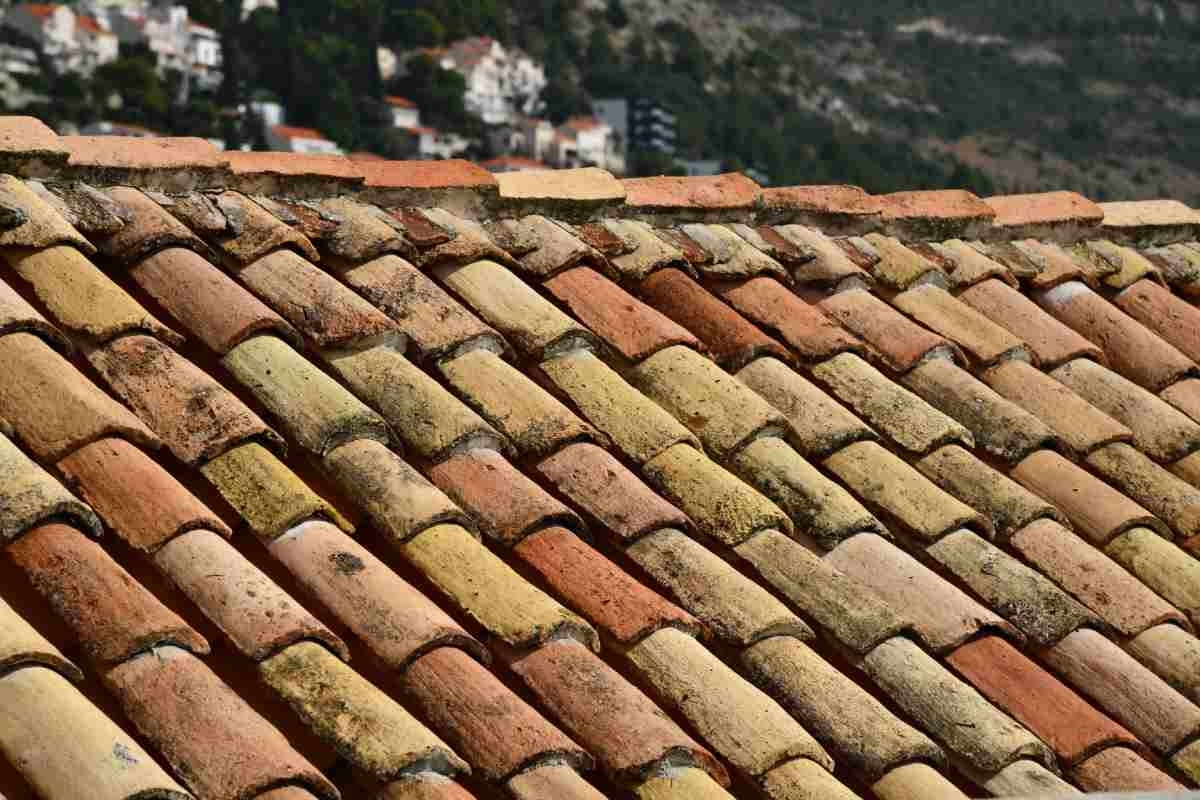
580 470
399 102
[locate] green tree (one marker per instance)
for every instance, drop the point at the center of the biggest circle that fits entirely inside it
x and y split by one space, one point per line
615 14
142 92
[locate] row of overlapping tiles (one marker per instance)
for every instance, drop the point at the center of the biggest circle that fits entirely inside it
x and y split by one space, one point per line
363 348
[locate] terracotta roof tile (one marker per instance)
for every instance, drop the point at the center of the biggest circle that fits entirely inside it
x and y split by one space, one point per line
1159 430
895 265
195 209
469 242
22 646
525 413
552 247
647 251
732 256
856 727
1119 769
942 615
816 505
394 619
1051 342
941 703
454 183
551 782
164 163
257 615
982 340
839 210
570 192
629 735
1053 264
368 728
268 495
677 783
1133 351
62 742
1027 778
902 416
1185 396
1179 265
1187 760
1171 653
304 401
1131 265
738 720
1162 566
17 315
841 605
91 211
1175 320
1150 222
966 264
475 580
608 492
303 174
817 424
1170 499
111 614
1134 696
720 505
1020 687
254 232
81 298
1023 596
737 611
914 781
397 499
29 496
893 487
802 327
605 594
891 337
772 243
150 229
829 265
36 223
935 215
1062 216
364 231
1009 505
211 736
29 146
694 196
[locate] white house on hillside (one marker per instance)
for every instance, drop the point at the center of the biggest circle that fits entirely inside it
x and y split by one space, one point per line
292 139
586 141
73 42
500 82
405 113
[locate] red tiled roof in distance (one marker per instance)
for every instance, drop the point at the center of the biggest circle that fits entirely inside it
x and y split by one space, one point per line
1060 216
399 102
835 210
40 10
935 215
295 132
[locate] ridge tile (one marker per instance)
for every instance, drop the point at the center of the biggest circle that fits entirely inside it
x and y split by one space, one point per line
838 210
164 163
1058 216
1150 222
30 147
935 215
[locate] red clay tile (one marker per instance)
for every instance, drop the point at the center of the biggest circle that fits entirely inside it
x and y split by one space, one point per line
599 589
1174 319
28 146
17 315
553 247
626 732
217 743
1134 696
1060 718
577 191
420 229
1132 350
599 484
166 163
602 239
1051 342
1098 511
935 215
253 232
629 326
452 173
836 210
828 266
896 340
33 221
395 620
733 341
1092 577
151 229
551 782
1119 769
54 409
1062 216
507 505
327 312
363 233
138 500
728 192
1150 222
196 417
777 309
248 607
982 340
196 210
22 646
417 786
728 256
30 496
774 244
92 212
113 615
469 242
490 726
208 303
305 174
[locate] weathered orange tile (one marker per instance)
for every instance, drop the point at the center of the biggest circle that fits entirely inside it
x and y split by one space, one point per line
837 210
1134 696
551 782
166 163
629 735
917 782
895 265
1059 216
728 256
1119 769
29 496
732 191
827 265
626 324
1149 222
1164 567
1098 511
943 615
36 223
209 304
966 264
22 646
113 615
53 407
733 341
1185 396
468 242
139 500
254 232
295 174
257 615
363 233
777 309
151 228
218 744
494 729
17 315
416 786
892 337
1132 349
551 247
505 503
1173 654
1174 319
1050 341
28 146
196 417
1020 687
935 215
1172 500
983 341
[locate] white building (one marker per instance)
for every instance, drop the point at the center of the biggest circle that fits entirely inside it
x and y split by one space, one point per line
405 113
73 42
291 139
500 83
178 43
586 141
